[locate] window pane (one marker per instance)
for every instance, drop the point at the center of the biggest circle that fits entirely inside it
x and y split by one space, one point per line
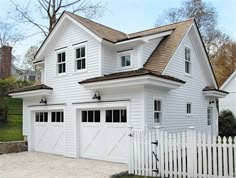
41 116
84 116
155 105
78 53
188 108
53 117
159 105
83 63
83 52
63 57
45 117
123 116
59 68
116 115
108 115
187 54
97 116
187 67
62 116
127 60
123 61
58 118
37 117
59 57
78 64
64 67
157 117
90 116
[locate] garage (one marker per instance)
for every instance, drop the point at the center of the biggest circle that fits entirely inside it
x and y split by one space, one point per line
103 134
49 132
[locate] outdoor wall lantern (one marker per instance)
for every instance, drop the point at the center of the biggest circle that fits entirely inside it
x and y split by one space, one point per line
211 101
97 96
43 100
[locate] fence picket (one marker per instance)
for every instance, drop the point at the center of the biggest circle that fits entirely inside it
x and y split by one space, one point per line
209 156
215 160
199 151
170 154
166 154
179 167
184 154
230 156
204 158
150 151
225 165
234 156
219 157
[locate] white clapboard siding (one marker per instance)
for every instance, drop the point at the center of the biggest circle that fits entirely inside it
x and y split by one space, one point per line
181 154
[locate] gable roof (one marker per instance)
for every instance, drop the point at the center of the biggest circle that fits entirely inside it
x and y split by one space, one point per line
167 47
226 82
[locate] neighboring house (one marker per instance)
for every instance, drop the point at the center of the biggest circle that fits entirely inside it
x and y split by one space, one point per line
229 102
98 82
8 69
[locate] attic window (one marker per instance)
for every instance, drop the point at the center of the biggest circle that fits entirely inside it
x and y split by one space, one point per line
187 60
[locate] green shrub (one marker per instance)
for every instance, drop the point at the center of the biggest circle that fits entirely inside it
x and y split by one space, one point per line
227 123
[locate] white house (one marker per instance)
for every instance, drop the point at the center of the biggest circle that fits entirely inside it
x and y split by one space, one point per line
97 83
229 102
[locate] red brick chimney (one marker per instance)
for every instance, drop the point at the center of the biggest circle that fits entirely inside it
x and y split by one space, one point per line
5 62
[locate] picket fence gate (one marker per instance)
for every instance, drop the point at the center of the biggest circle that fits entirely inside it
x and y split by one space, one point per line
158 153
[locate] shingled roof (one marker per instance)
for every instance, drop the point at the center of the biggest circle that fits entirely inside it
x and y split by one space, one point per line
31 88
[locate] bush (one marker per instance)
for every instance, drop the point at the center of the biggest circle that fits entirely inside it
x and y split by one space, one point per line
227 123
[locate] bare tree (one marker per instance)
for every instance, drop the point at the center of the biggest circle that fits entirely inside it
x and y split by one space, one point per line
206 18
9 34
51 10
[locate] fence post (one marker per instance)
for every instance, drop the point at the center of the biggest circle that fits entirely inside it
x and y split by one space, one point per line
191 152
131 150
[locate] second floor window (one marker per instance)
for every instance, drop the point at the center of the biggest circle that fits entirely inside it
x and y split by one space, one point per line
187 61
80 58
124 59
61 62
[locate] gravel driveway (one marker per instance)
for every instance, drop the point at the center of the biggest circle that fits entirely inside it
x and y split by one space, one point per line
39 165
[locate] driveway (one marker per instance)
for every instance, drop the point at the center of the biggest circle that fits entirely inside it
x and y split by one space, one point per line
39 165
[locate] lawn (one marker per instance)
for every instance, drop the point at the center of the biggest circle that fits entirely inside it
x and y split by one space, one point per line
12 129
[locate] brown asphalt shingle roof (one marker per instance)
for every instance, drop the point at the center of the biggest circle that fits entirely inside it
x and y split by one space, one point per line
128 74
164 51
31 88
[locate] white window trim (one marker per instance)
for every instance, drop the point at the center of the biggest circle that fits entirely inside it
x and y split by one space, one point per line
119 54
162 111
190 62
86 58
191 105
58 52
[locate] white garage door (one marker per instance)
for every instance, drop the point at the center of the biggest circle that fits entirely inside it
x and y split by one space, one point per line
49 132
103 135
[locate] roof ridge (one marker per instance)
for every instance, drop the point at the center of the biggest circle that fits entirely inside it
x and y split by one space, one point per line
96 22
162 26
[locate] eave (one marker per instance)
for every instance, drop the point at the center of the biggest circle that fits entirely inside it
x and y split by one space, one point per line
215 94
147 80
33 93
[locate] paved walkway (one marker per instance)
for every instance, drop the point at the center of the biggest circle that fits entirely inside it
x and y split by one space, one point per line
40 165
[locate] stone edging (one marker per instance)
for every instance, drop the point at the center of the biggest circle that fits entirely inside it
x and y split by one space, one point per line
13 147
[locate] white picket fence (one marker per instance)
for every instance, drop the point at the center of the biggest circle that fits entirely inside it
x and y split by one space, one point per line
186 154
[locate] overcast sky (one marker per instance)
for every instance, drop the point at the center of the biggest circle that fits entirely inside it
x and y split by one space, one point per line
134 15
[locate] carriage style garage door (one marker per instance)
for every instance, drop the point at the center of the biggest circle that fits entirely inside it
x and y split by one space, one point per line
49 132
103 135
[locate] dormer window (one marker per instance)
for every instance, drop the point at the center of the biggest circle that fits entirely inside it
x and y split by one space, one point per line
125 59
61 62
187 60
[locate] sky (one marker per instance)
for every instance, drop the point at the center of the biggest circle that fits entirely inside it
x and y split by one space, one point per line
135 15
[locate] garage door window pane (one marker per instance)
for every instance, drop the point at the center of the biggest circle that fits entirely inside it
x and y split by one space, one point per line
58 117
90 116
84 116
36 117
53 117
97 116
108 115
41 116
116 115
45 117
123 116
